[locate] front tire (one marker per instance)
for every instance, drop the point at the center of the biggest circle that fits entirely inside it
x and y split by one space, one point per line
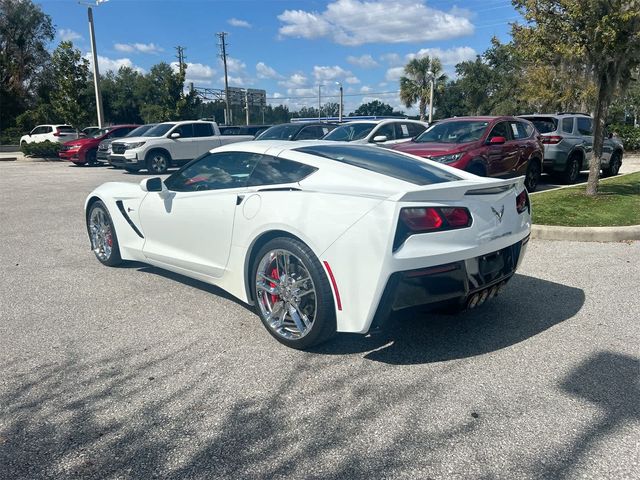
571 170
292 294
104 241
157 163
91 158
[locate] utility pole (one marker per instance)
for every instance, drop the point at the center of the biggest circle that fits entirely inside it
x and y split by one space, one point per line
431 97
223 55
341 102
182 66
319 101
246 103
96 71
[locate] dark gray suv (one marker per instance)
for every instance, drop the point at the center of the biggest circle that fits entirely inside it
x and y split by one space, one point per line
568 145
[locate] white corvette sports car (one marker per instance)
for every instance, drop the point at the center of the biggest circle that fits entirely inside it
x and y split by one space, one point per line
321 237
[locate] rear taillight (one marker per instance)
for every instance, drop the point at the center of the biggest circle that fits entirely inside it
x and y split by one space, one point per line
551 139
430 219
522 201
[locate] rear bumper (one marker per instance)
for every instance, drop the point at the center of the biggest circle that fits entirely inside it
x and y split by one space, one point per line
453 284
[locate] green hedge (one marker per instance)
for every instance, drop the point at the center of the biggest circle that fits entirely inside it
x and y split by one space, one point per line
44 149
10 136
629 135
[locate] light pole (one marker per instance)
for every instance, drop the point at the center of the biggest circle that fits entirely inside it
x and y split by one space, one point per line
246 104
432 77
319 100
94 56
340 106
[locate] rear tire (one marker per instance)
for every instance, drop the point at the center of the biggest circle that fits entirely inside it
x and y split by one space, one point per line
571 169
297 308
533 175
615 162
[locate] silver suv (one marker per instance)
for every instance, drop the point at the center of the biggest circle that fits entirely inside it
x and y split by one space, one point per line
568 145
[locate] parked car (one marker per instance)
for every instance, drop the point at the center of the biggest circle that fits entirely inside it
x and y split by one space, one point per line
104 148
287 227
89 131
485 146
568 145
382 132
169 144
51 133
84 151
242 129
297 131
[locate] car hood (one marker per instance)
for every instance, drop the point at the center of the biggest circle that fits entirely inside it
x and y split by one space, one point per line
431 149
135 139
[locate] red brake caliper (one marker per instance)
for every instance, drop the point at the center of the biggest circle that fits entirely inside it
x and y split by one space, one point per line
109 239
274 274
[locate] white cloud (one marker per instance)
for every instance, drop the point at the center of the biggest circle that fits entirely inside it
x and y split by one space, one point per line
363 61
352 80
235 66
67 35
393 59
355 22
394 73
450 56
326 73
294 81
106 64
265 71
197 73
137 47
234 22
366 89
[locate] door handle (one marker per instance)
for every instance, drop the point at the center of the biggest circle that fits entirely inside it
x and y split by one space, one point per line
239 199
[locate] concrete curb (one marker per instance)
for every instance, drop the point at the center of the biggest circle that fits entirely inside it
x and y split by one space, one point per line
586 234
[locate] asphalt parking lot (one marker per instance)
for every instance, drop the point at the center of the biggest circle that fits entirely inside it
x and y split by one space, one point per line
138 373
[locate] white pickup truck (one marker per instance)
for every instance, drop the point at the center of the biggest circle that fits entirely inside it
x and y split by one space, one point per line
169 144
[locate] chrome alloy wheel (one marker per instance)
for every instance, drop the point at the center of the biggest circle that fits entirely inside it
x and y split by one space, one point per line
101 234
286 294
158 163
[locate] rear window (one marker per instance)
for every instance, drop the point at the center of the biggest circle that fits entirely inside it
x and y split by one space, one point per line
544 124
383 161
279 132
66 129
351 132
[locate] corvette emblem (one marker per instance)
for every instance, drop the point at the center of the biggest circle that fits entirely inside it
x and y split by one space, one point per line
498 214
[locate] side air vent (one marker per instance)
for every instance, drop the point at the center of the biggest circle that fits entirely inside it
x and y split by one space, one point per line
127 218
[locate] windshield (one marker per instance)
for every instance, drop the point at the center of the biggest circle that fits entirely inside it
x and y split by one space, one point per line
461 131
159 129
350 132
99 133
141 131
279 132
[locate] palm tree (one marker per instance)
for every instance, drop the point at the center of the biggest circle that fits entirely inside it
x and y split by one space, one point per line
416 85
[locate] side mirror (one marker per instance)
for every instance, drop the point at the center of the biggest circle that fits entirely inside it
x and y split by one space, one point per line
174 135
497 140
379 138
154 184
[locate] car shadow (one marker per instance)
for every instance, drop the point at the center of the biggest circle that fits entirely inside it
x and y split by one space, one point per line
528 307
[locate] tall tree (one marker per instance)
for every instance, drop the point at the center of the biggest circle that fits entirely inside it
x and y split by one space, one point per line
70 99
25 32
376 108
604 35
415 86
161 93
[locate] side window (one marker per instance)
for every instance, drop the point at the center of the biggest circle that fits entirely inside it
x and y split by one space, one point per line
584 126
308 133
274 171
47 129
202 130
567 125
185 130
387 130
415 129
37 131
500 130
121 132
518 130
402 131
214 171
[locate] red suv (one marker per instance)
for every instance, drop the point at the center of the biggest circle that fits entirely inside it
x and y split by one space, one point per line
83 150
485 146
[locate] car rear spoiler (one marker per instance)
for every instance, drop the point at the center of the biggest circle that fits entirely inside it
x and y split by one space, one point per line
451 191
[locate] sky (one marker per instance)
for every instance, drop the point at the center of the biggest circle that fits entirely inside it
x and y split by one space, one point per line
288 47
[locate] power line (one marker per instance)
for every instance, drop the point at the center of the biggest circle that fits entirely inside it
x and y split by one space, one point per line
333 96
